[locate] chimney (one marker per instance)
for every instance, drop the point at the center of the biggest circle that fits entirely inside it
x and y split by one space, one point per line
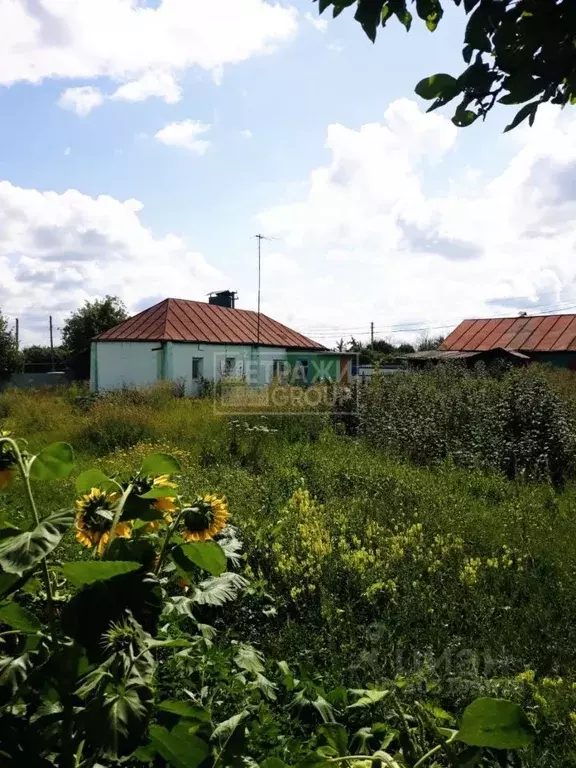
223 299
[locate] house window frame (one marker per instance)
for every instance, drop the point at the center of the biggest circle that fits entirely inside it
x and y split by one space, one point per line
197 362
229 367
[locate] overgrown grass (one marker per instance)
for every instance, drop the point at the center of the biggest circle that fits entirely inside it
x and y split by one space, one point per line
368 560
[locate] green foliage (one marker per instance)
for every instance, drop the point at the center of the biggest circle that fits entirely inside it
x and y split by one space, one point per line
82 685
516 425
495 723
53 462
515 51
93 318
10 360
22 551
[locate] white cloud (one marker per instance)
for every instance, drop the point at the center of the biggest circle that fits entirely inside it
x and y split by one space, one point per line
279 264
158 84
125 39
320 24
185 134
81 100
405 240
67 151
246 133
57 250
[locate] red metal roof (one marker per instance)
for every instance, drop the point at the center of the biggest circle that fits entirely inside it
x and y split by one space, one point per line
196 321
550 333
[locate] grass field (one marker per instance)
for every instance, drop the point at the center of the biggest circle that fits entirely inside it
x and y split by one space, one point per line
365 564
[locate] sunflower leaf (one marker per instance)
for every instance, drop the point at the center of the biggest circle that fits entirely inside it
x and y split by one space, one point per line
220 590
158 493
17 617
178 747
93 478
207 555
83 573
54 461
19 553
159 464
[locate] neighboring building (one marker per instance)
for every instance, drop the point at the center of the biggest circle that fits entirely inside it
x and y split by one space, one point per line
488 356
193 341
546 339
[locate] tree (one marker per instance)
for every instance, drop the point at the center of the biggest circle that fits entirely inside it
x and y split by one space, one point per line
516 52
93 318
37 359
427 343
10 361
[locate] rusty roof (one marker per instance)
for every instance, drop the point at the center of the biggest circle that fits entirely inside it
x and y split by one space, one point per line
549 333
197 321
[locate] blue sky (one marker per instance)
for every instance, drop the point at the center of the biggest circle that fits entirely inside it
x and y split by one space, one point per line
263 119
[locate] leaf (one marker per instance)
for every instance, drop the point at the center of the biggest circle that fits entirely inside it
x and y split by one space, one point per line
16 617
367 698
336 736
185 709
159 464
93 478
159 493
207 555
54 461
8 529
249 659
13 672
469 5
368 14
323 4
7 580
464 117
273 762
220 590
495 723
324 709
436 85
22 552
224 731
266 686
87 572
527 111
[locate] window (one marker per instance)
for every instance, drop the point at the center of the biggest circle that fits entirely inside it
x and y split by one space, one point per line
197 368
229 366
302 371
279 369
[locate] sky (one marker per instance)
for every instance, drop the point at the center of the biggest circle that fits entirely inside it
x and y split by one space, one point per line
144 144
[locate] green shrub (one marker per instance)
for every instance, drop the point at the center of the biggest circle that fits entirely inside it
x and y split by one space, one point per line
516 424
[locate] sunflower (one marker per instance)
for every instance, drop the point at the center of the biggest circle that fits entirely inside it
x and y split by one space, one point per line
94 516
204 519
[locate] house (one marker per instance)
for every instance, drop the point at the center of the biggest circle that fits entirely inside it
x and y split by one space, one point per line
193 341
546 339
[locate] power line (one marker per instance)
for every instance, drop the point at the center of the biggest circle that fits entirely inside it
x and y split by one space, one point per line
358 330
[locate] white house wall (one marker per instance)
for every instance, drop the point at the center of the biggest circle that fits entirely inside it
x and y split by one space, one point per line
253 363
116 364
119 364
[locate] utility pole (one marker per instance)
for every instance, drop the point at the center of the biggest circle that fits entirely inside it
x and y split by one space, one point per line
259 238
372 335
51 345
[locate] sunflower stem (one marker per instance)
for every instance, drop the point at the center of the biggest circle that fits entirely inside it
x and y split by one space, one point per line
117 516
169 534
24 471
